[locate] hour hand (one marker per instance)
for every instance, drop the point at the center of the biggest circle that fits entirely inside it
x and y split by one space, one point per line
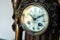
33 18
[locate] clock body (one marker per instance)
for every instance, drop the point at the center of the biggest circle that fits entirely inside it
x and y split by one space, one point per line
35 18
38 18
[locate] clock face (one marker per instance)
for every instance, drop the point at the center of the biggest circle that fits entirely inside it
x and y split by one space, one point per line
35 18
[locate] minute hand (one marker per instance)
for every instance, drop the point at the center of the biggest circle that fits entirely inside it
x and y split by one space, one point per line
40 16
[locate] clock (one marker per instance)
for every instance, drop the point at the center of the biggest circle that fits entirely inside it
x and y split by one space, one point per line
38 18
34 18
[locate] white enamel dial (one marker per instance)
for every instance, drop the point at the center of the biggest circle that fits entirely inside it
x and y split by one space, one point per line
35 18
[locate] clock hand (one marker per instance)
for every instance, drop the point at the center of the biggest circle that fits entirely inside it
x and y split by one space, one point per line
37 17
40 16
33 17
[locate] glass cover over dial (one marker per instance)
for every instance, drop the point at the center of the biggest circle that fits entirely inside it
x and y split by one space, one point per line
35 18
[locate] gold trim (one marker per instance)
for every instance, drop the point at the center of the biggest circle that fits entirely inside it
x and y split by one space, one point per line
15 3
